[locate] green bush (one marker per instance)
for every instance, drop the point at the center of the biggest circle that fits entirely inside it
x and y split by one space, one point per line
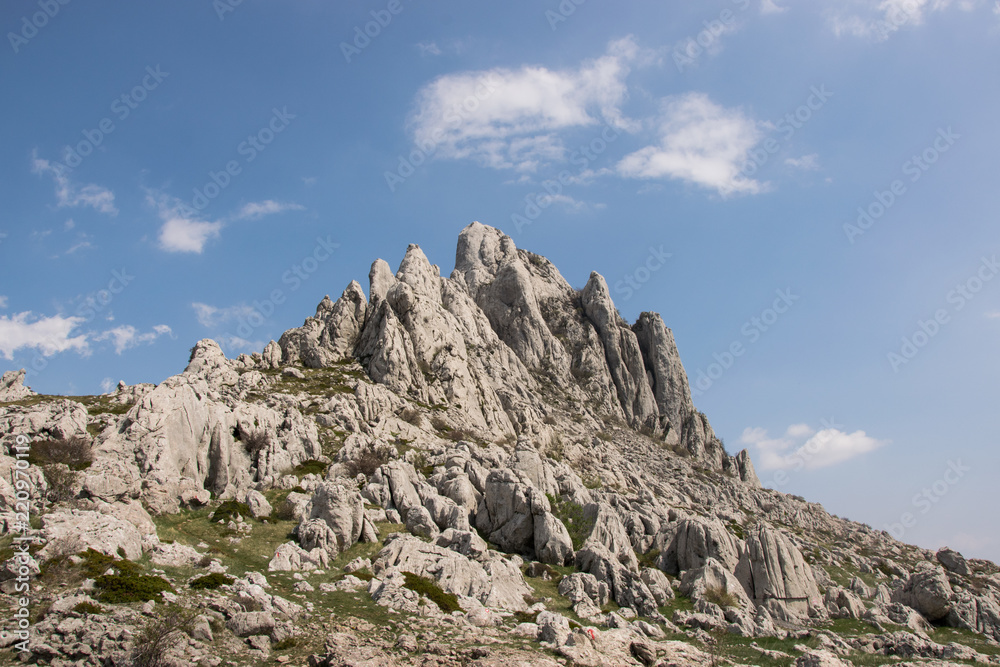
525 617
284 644
256 441
88 608
648 559
366 464
720 596
124 588
572 516
211 581
158 636
308 468
447 602
74 452
230 509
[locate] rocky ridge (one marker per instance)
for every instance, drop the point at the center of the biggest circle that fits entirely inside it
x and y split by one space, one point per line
490 468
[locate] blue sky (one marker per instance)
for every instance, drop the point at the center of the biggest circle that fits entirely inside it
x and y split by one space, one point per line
809 187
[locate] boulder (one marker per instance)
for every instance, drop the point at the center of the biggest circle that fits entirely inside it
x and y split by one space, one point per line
420 523
339 507
453 572
258 505
772 570
690 542
712 581
927 590
12 386
465 542
247 623
553 628
78 530
953 561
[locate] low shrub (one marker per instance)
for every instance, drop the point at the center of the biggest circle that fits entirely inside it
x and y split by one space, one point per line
310 467
446 602
211 581
649 558
256 441
366 464
411 416
88 608
75 453
572 516
284 644
720 596
230 509
158 636
124 588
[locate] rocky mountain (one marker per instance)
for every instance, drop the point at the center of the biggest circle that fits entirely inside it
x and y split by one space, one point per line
490 468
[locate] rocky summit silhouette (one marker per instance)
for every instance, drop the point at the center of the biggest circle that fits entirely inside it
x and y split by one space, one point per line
491 468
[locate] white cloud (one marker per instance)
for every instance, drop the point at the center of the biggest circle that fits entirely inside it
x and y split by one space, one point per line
259 209
126 336
3 301
180 234
820 449
71 194
879 19
806 162
48 335
509 119
182 231
701 143
69 224
107 384
769 7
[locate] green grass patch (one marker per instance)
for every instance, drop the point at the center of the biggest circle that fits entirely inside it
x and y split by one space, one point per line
446 602
966 637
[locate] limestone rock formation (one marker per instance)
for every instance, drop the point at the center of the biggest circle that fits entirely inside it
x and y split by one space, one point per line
465 458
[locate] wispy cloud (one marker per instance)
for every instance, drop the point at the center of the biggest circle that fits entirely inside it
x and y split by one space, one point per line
3 301
879 19
212 317
216 319
770 7
48 335
803 447
69 193
806 162
429 49
511 119
701 143
259 209
127 336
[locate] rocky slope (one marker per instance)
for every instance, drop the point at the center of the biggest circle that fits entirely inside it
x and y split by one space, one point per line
491 468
